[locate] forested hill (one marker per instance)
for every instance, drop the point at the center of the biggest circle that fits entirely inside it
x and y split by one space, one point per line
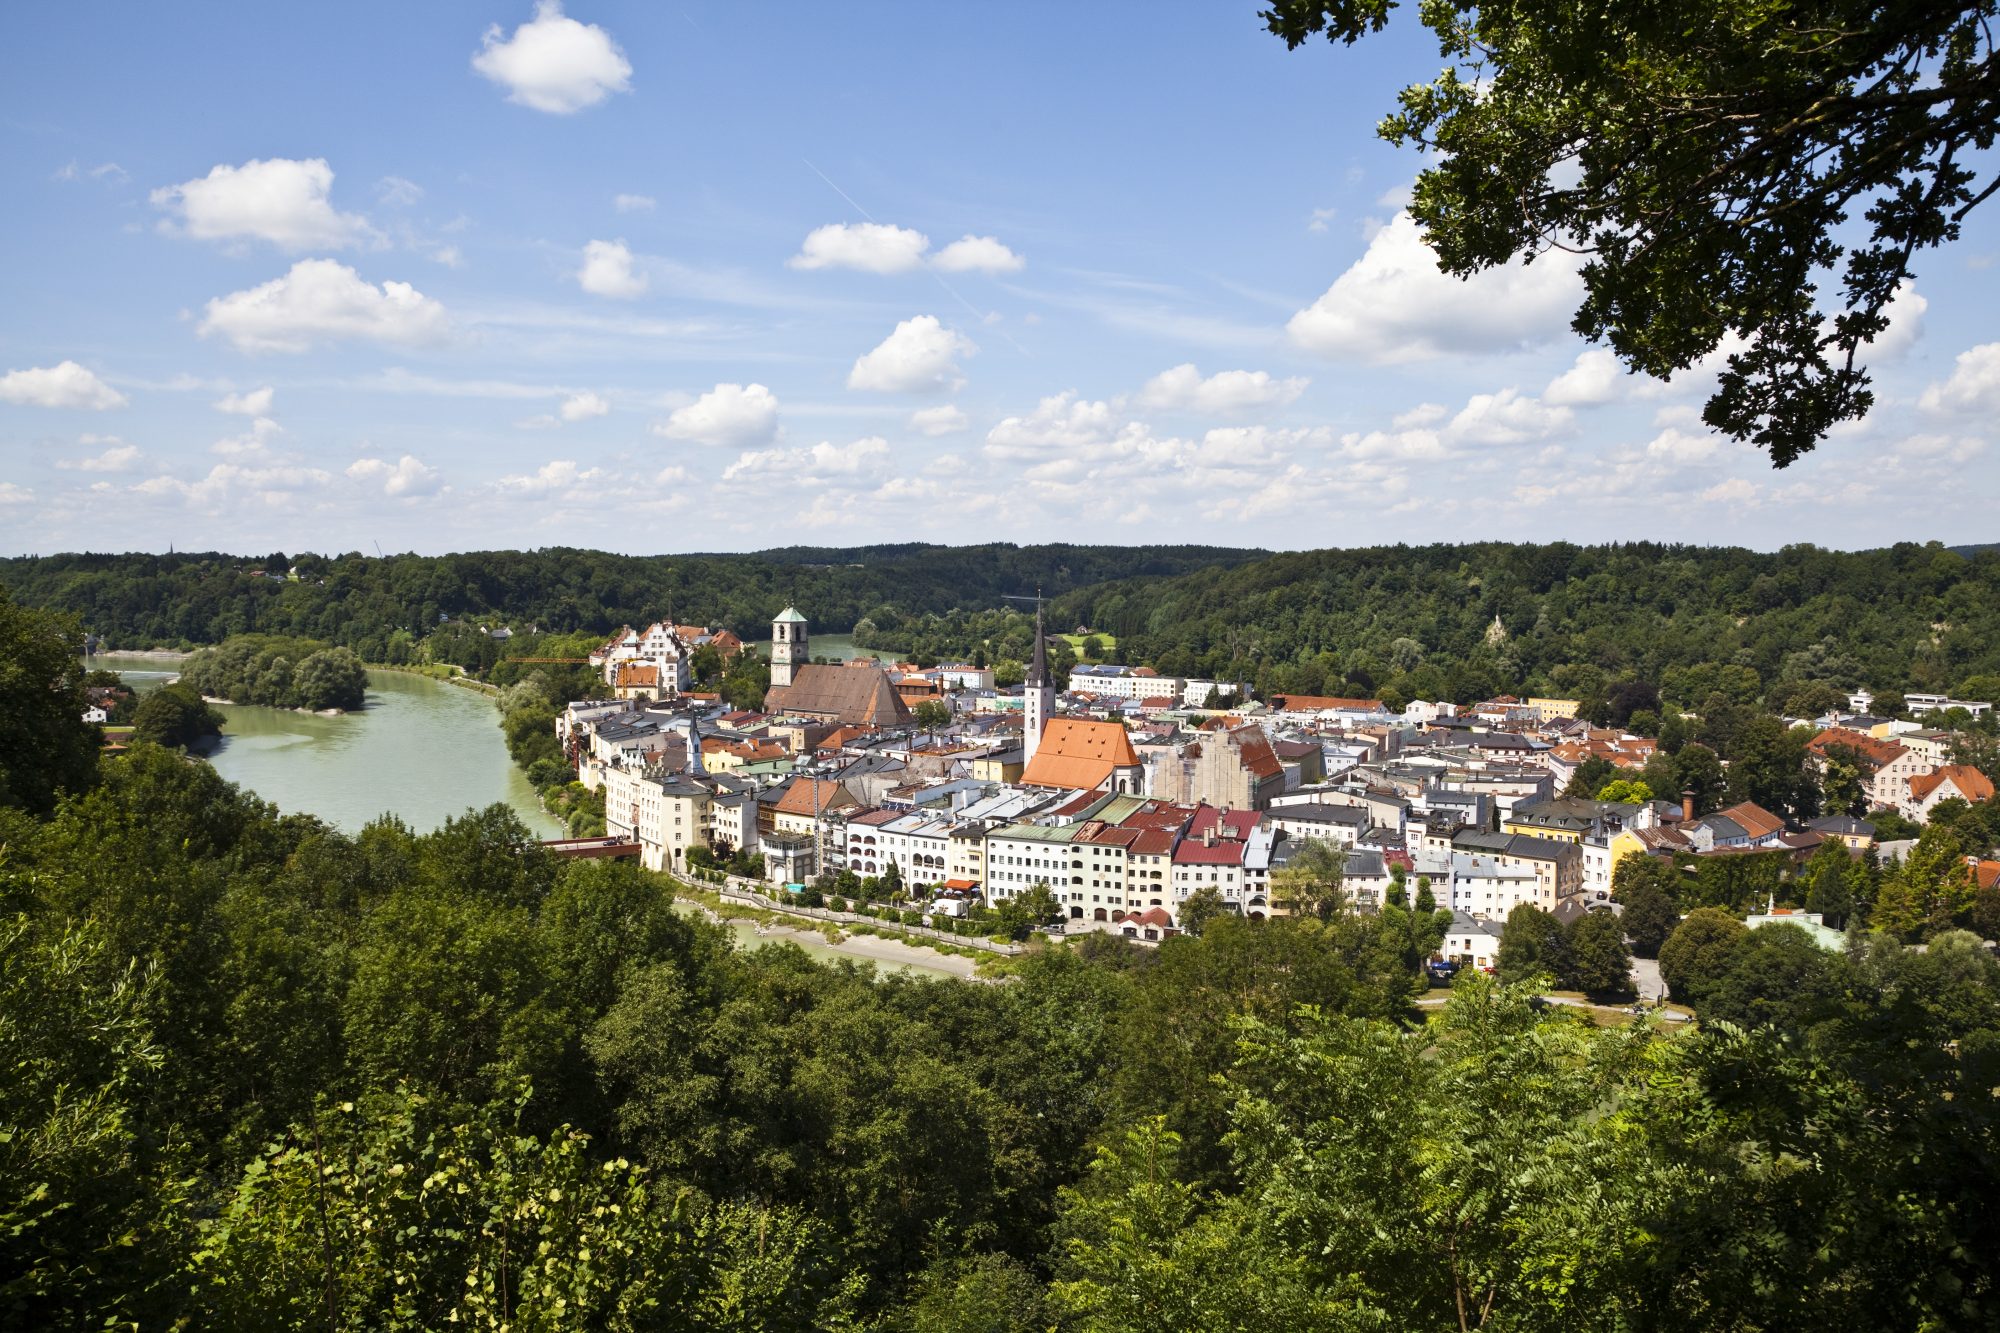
200 598
1420 621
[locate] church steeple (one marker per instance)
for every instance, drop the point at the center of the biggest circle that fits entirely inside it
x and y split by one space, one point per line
788 646
1038 698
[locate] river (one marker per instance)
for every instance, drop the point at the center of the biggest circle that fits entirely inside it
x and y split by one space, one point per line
421 750
424 751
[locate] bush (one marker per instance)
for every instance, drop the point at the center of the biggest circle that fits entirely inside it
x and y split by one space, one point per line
837 904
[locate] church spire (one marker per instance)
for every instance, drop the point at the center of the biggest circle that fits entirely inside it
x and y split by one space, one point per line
1038 675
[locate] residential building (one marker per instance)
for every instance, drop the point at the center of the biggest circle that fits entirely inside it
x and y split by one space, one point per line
1924 791
1557 867
1237 768
665 813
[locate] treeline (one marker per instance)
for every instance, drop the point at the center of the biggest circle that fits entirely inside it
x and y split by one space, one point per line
1409 622
363 602
278 673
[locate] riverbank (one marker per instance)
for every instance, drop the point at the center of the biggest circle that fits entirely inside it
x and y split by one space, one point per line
148 654
449 675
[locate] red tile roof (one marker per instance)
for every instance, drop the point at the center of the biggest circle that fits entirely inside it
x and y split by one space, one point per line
1971 783
1878 752
1079 754
1323 703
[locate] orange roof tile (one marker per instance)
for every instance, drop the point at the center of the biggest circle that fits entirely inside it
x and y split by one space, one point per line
1079 754
1971 783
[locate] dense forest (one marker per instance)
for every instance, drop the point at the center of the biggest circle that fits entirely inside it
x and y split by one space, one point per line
262 1074
192 600
1459 622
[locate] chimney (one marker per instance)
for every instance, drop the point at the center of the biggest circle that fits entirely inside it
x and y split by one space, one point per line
1687 805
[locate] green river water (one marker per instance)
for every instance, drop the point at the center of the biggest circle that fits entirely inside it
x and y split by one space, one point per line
421 750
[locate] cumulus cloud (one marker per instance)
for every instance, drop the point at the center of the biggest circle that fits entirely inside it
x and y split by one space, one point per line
279 200
1060 421
556 478
936 421
1736 491
252 443
1225 391
1905 313
731 414
256 403
919 357
872 247
825 461
978 254
234 483
607 271
109 172
12 494
553 63
406 478
634 203
583 406
321 299
1394 305
65 384
1506 417
117 456
1595 379
1973 386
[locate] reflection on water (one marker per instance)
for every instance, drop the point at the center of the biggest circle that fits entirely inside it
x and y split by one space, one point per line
422 750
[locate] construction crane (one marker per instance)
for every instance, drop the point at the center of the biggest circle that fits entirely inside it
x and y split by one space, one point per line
550 661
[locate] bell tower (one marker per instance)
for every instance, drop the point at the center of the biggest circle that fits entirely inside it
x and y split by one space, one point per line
1038 700
788 646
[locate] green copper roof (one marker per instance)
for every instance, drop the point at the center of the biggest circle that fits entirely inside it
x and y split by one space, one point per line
790 614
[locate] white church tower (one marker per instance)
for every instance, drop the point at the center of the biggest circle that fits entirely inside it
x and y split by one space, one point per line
1039 697
788 646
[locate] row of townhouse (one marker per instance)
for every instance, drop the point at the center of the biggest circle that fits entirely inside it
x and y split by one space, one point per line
1910 772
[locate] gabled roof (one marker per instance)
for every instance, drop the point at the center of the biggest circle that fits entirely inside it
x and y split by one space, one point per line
1876 751
1079 754
1972 784
1753 819
636 675
807 796
861 696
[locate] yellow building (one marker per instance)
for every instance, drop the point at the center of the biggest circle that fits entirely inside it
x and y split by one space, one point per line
999 765
1551 709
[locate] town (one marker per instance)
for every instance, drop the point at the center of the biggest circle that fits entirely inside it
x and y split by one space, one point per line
1126 797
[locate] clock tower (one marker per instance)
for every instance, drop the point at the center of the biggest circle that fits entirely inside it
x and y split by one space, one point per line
788 646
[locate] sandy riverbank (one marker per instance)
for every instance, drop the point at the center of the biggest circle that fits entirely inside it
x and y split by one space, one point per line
153 654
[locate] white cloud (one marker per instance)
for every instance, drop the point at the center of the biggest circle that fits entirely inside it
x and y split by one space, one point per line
1906 324
323 299
1677 447
607 271
253 443
103 171
936 421
228 483
65 384
1595 379
981 254
732 414
404 479
1394 305
1506 418
117 456
395 192
824 461
583 406
1224 391
1736 491
553 63
555 478
447 255
1059 422
1974 385
634 203
277 200
11 494
256 403
872 247
1320 217
1423 414
919 357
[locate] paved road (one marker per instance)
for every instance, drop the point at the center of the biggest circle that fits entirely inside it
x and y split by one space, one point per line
1646 976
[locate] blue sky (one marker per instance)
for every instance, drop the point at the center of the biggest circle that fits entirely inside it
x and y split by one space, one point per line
667 277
